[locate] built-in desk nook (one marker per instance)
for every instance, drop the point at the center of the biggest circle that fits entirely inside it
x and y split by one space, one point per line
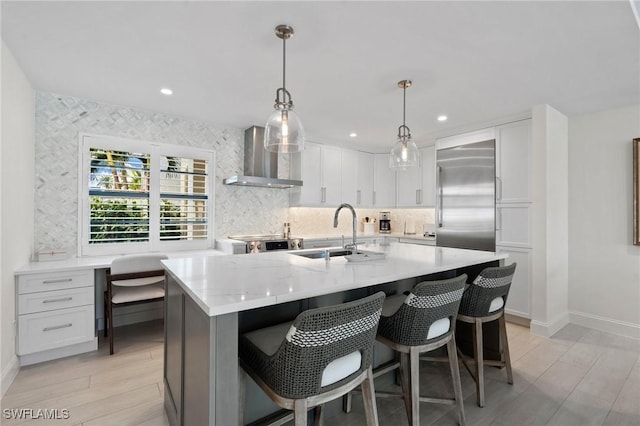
209 300
57 305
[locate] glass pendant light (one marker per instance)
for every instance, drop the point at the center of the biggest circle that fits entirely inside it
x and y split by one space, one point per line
405 152
283 132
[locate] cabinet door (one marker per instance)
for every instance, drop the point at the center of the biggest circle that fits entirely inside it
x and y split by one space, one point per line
311 193
513 165
331 175
384 182
519 299
54 329
350 177
513 225
428 194
409 185
365 180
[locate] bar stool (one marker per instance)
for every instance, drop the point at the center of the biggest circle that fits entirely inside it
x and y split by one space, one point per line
322 355
483 301
421 322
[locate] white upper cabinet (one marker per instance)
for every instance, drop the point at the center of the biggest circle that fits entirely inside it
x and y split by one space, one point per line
417 185
364 195
384 182
320 171
513 162
428 194
350 176
331 176
409 185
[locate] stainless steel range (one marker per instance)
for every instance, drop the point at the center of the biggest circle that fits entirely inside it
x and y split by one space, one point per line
262 243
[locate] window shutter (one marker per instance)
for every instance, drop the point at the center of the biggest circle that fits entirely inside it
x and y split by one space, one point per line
119 196
183 198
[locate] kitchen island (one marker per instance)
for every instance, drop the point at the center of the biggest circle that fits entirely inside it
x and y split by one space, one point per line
210 300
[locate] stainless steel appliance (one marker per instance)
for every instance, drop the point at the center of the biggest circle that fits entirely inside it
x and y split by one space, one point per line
385 222
262 243
260 166
465 206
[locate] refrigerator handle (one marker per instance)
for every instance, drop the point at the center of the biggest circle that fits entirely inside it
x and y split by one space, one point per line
498 188
498 218
439 197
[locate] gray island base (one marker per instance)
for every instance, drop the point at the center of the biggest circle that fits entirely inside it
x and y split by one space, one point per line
211 299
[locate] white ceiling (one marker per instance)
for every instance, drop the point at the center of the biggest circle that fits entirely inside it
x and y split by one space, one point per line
473 61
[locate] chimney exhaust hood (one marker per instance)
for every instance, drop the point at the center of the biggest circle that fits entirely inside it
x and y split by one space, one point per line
260 166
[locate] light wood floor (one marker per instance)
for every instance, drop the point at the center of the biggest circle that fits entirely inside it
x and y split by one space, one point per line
578 377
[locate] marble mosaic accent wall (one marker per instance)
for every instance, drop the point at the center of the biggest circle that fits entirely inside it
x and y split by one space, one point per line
60 119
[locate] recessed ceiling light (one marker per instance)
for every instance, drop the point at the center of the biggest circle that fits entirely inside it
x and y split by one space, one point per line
442 118
166 91
353 134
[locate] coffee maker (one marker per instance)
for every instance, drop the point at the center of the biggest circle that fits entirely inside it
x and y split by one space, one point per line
385 222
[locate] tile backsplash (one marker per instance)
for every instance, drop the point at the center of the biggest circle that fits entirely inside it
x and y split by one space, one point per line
314 221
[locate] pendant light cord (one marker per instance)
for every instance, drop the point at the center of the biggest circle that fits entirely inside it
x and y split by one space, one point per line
404 104
284 63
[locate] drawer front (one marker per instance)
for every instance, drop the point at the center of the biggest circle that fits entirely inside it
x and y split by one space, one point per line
48 330
32 283
53 300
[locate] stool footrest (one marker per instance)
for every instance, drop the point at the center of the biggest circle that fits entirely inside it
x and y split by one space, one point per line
385 368
278 418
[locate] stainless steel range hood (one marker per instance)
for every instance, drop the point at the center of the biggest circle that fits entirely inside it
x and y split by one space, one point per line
260 166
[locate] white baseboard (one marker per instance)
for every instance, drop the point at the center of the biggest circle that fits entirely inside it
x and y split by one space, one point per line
65 351
608 325
548 329
8 374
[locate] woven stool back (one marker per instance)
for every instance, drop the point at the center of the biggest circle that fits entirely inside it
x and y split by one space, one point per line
428 302
490 283
316 338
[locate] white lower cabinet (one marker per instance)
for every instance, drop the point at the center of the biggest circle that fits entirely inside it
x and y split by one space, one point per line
55 310
519 300
48 330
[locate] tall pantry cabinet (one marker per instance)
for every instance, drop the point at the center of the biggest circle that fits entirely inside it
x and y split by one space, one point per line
514 207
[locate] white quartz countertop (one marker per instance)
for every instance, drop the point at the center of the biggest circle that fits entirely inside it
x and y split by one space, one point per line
96 262
225 284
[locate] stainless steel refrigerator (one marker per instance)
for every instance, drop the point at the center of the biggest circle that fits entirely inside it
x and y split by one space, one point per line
466 201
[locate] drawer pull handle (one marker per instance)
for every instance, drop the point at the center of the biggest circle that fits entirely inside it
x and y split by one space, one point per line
62 280
56 327
62 299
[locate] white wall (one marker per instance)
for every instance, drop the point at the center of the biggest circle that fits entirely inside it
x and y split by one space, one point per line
550 290
604 265
17 199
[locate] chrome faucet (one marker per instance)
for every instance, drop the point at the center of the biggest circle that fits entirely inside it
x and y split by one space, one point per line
353 246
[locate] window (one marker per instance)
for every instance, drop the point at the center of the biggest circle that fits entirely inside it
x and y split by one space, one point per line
141 196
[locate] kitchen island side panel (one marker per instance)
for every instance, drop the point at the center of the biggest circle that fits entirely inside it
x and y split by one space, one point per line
208 348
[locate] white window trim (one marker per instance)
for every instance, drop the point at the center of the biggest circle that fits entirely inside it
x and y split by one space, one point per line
88 140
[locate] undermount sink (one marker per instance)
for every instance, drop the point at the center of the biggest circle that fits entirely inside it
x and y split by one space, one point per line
321 254
359 256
